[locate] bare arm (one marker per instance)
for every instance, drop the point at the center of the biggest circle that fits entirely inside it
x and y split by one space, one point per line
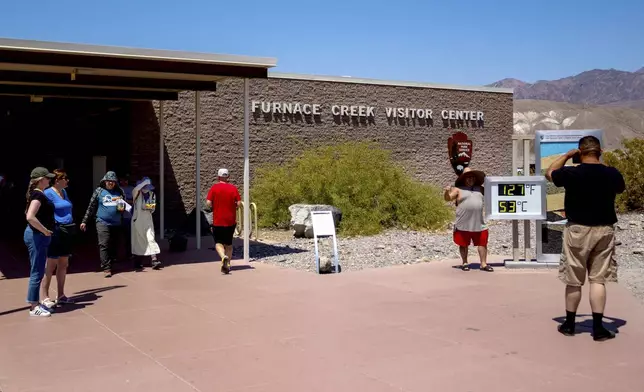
34 206
450 193
559 163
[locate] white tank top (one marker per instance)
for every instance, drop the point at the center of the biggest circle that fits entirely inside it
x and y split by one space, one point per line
469 211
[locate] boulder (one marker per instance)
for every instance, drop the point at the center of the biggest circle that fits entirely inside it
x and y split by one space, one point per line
326 264
301 222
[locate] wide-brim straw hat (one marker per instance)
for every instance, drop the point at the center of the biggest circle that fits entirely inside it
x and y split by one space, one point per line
479 177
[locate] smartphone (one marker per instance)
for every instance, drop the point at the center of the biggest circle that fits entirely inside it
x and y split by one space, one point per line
576 158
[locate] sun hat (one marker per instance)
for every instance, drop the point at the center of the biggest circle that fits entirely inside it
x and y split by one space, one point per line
110 176
41 172
479 177
222 173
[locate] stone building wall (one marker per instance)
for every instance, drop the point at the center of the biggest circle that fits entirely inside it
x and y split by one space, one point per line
418 144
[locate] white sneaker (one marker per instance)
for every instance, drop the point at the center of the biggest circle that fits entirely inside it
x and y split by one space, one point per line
49 303
39 311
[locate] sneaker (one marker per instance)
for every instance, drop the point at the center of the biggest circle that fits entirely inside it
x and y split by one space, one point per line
40 311
225 265
156 265
64 300
49 303
108 273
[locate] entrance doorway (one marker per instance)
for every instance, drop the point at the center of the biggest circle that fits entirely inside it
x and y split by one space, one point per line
73 132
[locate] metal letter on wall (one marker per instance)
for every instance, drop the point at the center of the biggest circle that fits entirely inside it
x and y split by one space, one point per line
548 146
459 149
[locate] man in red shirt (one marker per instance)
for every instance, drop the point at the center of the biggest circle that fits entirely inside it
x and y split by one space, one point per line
223 198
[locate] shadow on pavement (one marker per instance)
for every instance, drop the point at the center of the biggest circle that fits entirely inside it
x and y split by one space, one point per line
586 326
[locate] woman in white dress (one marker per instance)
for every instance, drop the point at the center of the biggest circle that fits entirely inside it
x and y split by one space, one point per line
143 241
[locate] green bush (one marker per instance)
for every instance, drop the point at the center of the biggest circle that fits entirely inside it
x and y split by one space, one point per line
630 162
360 179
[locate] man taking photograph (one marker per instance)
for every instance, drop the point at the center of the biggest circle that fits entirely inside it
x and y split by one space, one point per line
589 236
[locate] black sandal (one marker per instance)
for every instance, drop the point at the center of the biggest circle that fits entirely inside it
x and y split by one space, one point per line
465 267
487 268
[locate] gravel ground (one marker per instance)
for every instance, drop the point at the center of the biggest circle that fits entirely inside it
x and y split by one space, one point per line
397 247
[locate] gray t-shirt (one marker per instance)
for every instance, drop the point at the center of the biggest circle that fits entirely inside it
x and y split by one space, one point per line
469 210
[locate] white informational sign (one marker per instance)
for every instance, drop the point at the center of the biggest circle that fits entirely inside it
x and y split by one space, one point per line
324 226
515 198
548 147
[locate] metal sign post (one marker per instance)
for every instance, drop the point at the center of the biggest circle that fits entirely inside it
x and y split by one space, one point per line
324 226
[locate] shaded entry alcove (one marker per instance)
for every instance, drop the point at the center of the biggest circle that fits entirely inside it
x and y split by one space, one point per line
59 133
38 70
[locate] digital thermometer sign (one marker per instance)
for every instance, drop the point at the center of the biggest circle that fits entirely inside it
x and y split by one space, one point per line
515 198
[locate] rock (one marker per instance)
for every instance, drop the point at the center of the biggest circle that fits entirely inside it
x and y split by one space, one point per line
620 226
380 247
638 251
618 243
301 218
326 264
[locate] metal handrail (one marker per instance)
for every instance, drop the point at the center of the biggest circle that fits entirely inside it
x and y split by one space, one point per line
239 229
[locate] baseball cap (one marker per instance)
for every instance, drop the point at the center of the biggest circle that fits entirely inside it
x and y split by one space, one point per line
222 173
41 172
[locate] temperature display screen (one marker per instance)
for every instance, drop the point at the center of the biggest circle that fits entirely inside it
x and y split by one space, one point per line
511 189
515 198
507 206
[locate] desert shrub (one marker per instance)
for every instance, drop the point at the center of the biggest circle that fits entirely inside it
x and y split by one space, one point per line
630 162
361 179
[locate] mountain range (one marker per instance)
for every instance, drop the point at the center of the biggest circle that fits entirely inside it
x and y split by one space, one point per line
611 100
596 87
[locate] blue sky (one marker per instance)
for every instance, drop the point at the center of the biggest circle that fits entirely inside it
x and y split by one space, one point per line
459 41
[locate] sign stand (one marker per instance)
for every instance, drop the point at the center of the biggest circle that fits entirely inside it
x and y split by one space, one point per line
324 227
516 198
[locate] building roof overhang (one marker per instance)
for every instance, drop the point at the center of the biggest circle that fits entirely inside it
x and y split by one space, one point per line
52 69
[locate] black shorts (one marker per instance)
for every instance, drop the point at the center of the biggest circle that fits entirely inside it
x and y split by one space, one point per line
223 234
62 241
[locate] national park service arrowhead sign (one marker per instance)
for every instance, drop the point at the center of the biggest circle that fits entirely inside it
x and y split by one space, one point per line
459 149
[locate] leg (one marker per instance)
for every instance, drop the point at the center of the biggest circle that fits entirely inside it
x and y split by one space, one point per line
61 275
103 233
113 243
573 297
224 246
602 268
221 250
156 263
37 245
462 239
572 271
480 241
50 267
463 250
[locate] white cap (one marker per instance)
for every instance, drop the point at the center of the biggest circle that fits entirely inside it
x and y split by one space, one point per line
222 173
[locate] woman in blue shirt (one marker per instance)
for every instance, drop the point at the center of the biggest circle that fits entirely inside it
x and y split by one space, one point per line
61 241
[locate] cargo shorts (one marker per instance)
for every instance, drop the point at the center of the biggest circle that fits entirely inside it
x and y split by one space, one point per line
588 250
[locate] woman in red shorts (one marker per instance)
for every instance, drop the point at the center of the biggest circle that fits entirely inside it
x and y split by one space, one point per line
469 227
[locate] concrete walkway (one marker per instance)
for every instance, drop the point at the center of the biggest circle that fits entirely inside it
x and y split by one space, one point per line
423 328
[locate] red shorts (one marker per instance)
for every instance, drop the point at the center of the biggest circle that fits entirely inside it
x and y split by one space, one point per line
464 238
